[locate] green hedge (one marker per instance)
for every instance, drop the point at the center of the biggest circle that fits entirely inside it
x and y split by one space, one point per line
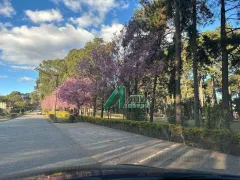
219 140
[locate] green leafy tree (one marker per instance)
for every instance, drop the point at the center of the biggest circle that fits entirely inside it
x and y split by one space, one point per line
34 98
51 74
227 6
13 98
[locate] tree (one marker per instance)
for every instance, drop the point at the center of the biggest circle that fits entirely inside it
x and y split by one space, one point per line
50 72
210 43
233 5
177 61
76 91
19 104
144 43
200 14
72 60
34 98
98 65
195 70
3 98
14 97
137 49
225 95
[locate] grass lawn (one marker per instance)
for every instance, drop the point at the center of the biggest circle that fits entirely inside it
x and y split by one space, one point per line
113 116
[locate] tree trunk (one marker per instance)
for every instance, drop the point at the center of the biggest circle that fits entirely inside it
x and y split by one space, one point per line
77 113
135 86
201 93
230 104
127 92
108 113
153 98
214 95
94 105
136 81
178 63
225 96
195 70
172 99
102 108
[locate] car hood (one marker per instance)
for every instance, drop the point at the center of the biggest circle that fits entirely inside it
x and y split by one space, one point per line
103 170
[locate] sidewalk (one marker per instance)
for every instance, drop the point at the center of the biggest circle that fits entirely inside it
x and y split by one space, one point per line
111 146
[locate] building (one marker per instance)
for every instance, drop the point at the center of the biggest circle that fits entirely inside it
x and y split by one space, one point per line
3 105
25 96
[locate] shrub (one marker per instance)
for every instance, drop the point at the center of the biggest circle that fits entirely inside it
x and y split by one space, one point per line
51 116
172 120
72 118
13 115
61 114
213 117
220 140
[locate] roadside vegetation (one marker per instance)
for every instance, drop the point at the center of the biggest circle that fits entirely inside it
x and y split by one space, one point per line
17 104
191 74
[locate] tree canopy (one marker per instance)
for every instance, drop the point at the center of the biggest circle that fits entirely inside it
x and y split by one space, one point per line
160 52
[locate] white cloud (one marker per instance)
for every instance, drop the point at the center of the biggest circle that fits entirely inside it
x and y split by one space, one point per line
44 15
21 79
6 8
74 5
92 5
101 6
125 5
107 32
5 25
96 10
23 67
30 45
3 76
86 20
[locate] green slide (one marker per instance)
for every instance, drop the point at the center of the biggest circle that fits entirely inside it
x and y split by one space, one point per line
118 94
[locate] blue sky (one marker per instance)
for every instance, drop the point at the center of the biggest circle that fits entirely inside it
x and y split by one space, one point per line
36 30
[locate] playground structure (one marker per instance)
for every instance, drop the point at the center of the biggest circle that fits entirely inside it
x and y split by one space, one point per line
134 107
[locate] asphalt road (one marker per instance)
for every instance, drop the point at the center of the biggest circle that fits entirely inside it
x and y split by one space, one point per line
32 143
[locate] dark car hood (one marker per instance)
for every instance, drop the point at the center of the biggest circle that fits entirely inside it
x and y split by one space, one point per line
101 170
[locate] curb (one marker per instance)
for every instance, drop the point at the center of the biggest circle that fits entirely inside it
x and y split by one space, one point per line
51 122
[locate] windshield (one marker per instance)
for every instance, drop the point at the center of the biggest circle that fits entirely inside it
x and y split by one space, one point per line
110 82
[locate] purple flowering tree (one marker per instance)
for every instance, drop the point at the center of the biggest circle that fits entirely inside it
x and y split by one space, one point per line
142 55
77 91
99 65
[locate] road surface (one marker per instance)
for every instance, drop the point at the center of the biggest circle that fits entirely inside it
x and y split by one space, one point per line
32 143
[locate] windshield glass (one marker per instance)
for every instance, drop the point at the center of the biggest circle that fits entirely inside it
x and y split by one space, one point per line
110 82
